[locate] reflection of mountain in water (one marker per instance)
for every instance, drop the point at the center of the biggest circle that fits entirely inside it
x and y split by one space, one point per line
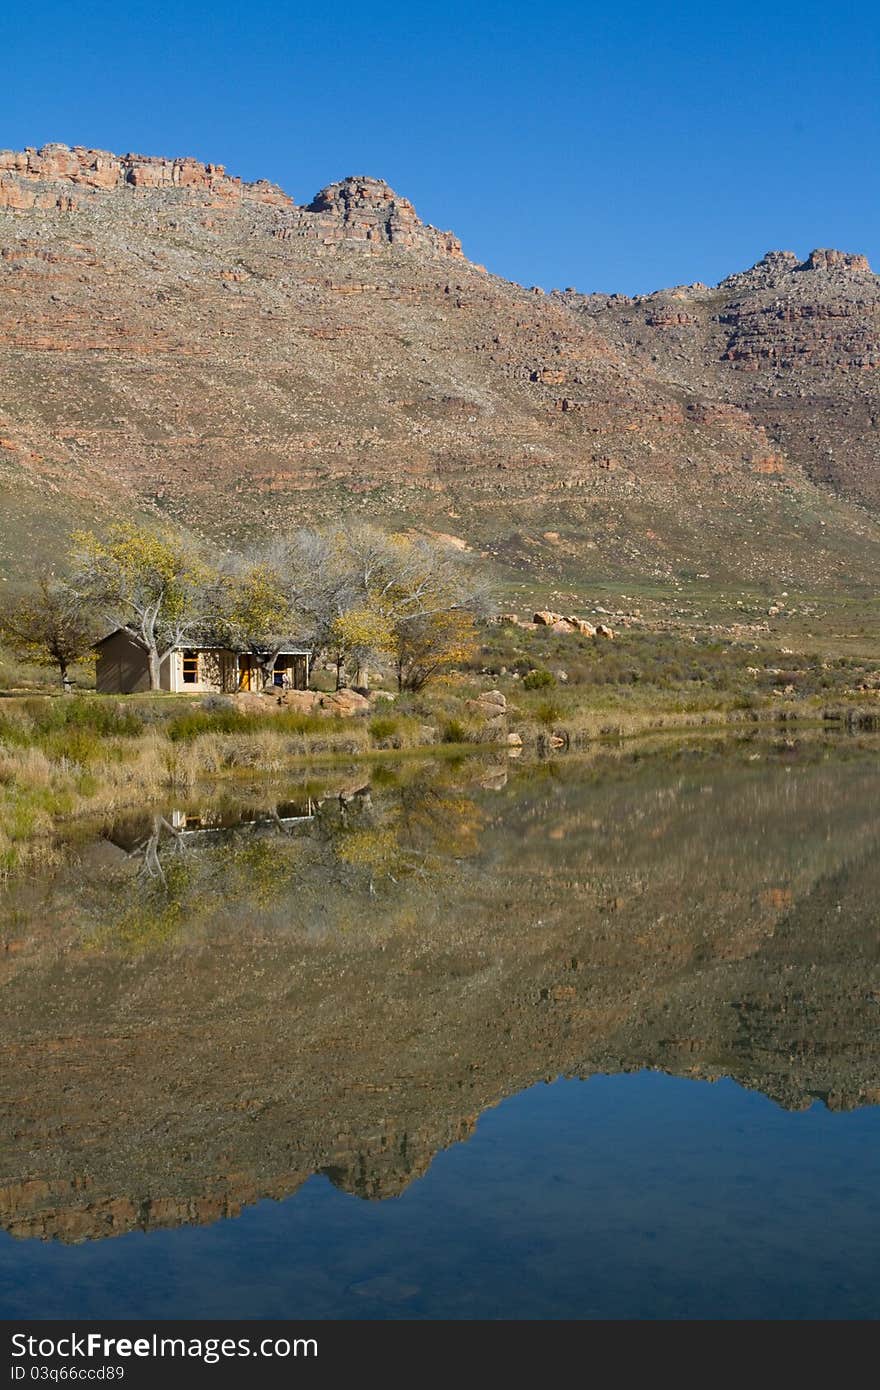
348 998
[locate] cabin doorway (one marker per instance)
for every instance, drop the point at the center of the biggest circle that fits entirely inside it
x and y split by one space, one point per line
244 673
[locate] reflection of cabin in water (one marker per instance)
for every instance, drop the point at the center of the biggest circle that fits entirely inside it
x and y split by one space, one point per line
285 814
210 826
123 668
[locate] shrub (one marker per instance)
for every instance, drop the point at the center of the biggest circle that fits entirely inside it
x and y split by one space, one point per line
185 727
538 680
49 723
453 731
548 713
384 726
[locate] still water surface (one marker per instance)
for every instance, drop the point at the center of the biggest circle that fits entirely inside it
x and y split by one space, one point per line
578 1040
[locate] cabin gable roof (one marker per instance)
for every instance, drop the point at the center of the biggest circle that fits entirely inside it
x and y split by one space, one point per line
292 646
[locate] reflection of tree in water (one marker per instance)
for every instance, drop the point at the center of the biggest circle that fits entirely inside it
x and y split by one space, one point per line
260 1013
410 833
147 850
270 870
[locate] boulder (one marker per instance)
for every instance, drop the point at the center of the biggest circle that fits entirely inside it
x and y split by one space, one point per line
603 630
249 702
491 709
304 701
544 618
581 625
490 714
345 703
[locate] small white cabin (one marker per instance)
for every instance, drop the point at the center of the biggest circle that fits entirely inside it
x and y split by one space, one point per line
123 668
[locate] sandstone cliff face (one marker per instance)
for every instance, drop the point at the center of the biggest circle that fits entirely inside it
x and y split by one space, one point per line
44 178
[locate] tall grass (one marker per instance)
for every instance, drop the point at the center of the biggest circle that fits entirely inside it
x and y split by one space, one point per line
196 723
63 756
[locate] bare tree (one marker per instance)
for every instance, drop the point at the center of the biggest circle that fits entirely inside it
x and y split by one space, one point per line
417 598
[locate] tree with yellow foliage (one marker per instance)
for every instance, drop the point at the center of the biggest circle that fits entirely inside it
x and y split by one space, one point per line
148 582
354 638
427 644
404 597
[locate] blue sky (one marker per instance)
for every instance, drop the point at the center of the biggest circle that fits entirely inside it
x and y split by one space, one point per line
618 146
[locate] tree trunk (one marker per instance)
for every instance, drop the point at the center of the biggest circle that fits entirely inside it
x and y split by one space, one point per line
155 668
267 669
65 683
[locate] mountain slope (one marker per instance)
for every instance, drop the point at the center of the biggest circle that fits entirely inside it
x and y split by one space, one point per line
178 343
795 343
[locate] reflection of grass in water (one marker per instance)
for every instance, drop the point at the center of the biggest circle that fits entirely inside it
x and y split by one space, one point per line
262 868
145 927
155 918
369 848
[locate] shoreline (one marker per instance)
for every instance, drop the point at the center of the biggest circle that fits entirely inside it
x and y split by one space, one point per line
150 794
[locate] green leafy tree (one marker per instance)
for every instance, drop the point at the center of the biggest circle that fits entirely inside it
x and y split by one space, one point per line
151 584
51 626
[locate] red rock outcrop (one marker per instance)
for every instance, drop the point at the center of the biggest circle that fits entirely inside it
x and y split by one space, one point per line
366 209
24 174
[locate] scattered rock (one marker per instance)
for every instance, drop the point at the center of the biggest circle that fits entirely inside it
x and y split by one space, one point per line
345 703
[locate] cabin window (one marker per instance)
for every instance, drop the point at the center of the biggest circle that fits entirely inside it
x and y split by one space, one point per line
190 668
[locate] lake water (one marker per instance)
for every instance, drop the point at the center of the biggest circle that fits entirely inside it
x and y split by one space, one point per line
580 1039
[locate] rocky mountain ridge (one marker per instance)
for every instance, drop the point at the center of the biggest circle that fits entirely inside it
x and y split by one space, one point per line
794 343
182 345
357 208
